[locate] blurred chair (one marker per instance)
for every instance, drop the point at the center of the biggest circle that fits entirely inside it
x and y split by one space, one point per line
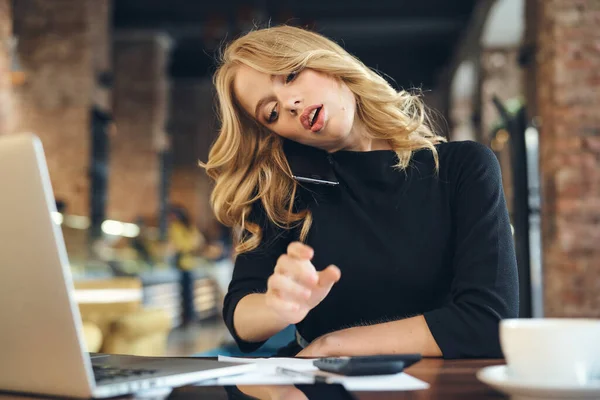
114 307
93 337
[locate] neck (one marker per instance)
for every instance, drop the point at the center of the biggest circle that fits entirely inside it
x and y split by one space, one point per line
360 139
367 144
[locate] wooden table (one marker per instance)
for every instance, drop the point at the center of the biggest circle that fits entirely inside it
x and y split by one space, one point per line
449 379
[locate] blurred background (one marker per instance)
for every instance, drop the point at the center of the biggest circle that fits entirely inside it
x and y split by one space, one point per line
120 93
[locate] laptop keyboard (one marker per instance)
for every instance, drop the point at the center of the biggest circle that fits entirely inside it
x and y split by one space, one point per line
104 373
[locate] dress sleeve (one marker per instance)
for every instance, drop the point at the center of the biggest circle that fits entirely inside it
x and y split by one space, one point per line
252 270
485 284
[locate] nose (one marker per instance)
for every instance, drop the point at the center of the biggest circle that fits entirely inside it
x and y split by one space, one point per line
293 105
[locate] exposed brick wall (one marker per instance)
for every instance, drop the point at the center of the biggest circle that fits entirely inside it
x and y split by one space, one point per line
100 14
140 104
55 52
567 71
5 81
185 190
193 128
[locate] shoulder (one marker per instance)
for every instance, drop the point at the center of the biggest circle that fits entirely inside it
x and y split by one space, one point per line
467 157
470 165
465 152
457 157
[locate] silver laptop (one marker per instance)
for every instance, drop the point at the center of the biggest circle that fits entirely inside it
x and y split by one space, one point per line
41 345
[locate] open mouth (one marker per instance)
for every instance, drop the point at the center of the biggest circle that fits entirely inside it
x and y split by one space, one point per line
314 115
313 118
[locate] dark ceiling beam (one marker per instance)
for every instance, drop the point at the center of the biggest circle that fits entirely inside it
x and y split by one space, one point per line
381 28
390 8
151 13
372 32
410 40
469 40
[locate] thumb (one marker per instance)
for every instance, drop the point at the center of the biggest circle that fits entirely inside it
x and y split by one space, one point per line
329 276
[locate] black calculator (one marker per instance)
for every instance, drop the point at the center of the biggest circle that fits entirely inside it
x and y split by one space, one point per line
367 365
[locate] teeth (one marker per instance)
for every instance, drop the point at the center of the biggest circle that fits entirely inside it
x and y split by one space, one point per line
311 116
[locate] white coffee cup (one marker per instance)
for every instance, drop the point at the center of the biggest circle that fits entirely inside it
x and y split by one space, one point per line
558 351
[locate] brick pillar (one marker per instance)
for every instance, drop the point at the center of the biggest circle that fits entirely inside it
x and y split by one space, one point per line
193 129
54 102
5 65
140 106
566 64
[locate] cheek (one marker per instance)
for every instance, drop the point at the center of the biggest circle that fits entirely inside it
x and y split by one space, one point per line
287 132
349 100
346 101
345 122
346 114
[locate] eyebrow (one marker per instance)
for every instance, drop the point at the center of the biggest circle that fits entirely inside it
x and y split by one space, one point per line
262 101
259 105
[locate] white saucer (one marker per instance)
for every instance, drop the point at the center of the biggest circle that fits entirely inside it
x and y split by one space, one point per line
499 378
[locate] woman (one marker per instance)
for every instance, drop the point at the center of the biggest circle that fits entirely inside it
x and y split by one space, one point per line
410 252
184 241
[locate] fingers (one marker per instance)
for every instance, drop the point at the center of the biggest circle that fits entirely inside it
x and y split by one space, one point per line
300 251
329 276
279 305
284 295
287 289
296 285
301 271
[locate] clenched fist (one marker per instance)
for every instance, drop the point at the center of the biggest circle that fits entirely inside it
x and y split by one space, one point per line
296 287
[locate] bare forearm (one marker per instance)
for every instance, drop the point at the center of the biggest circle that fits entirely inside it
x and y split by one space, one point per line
411 335
254 321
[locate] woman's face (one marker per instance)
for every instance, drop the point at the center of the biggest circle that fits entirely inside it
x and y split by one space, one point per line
308 107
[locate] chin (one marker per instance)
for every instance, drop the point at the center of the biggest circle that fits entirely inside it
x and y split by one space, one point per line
336 139
329 139
328 144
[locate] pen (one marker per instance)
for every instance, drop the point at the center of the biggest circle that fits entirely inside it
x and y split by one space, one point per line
307 374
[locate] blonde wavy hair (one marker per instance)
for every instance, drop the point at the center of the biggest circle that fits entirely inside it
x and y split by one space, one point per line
247 161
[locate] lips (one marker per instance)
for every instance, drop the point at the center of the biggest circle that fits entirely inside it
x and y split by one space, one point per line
313 117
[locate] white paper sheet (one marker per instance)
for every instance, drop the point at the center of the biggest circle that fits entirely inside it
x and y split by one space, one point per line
265 374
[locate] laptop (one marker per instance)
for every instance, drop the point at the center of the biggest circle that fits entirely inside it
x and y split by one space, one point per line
41 344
